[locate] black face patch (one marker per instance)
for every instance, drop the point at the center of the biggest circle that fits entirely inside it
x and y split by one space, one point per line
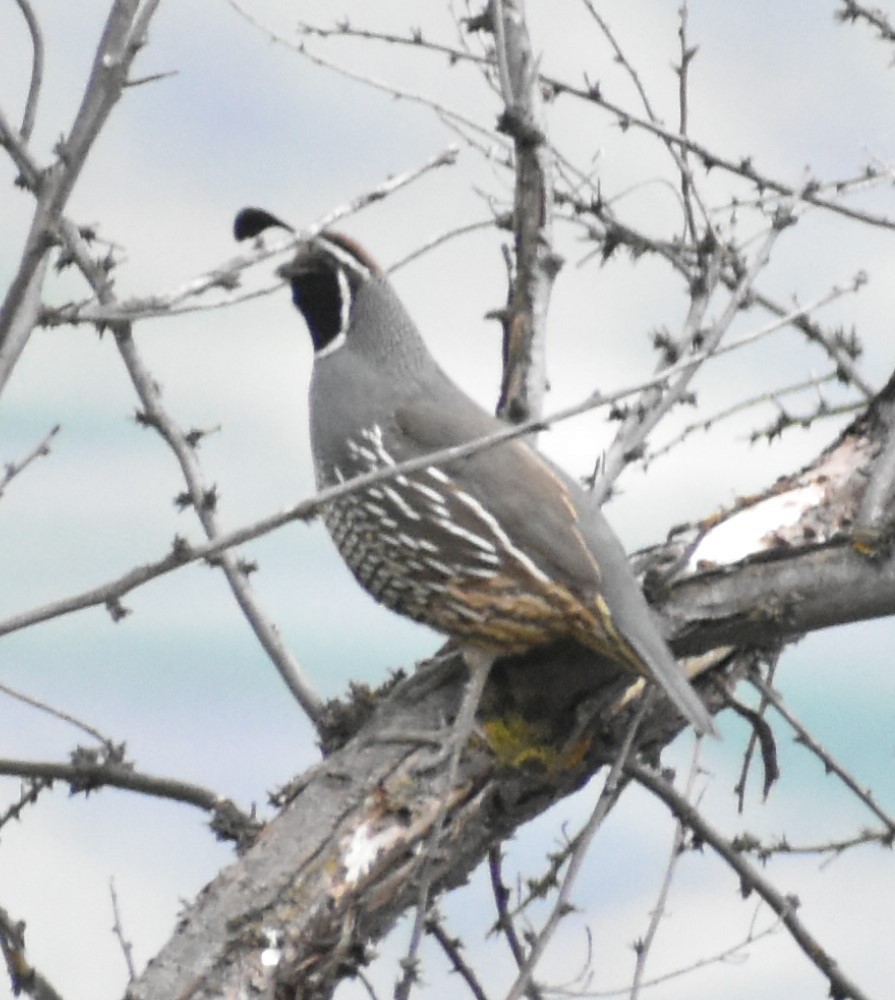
318 295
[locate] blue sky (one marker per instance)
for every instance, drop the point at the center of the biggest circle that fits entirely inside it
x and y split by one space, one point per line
181 679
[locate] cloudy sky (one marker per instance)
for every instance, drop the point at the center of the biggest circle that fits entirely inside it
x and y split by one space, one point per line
245 120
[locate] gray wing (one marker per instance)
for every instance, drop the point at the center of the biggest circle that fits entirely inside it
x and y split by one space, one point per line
528 496
550 517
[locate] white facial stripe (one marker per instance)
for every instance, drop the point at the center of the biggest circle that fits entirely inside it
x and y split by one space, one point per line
332 346
345 296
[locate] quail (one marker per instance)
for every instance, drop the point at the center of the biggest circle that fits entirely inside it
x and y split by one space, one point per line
500 550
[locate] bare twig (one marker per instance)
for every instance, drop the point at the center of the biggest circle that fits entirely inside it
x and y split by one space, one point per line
505 924
437 241
744 168
643 946
14 144
202 501
784 420
813 194
831 848
829 341
608 796
688 188
226 276
42 706
37 69
524 381
631 437
89 771
831 765
12 469
452 947
751 880
718 958
412 96
28 795
23 977
127 948
202 498
123 36
771 396
854 11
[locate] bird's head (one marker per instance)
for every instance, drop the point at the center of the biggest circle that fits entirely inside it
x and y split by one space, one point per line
343 295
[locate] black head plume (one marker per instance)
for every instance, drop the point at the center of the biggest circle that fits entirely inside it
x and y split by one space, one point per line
250 222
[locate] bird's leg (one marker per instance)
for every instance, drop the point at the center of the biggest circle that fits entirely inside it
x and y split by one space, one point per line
478 662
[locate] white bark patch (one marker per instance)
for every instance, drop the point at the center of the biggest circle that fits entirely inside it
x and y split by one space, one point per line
270 957
755 528
365 846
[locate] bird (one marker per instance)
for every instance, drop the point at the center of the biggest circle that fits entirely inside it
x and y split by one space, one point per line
500 550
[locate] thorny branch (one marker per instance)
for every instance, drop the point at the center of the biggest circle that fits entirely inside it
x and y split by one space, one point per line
812 192
772 396
630 440
23 976
608 796
127 948
452 948
719 958
854 11
642 947
831 765
123 37
90 770
12 469
751 880
505 924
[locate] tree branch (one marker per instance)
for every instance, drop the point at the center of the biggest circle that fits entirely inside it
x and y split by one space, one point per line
751 880
122 38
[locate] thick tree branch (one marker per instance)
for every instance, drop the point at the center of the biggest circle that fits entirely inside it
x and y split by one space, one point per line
343 860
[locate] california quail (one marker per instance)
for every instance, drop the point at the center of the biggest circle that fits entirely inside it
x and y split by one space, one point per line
500 550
